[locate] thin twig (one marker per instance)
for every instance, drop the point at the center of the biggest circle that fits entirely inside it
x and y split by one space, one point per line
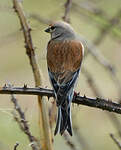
24 124
95 52
68 5
69 142
92 49
83 142
91 82
30 51
16 145
106 29
52 114
115 140
116 123
83 100
103 22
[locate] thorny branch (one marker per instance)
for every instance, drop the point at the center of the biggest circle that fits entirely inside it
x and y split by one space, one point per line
46 141
83 100
24 124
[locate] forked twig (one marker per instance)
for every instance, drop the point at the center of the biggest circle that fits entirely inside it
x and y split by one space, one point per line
24 124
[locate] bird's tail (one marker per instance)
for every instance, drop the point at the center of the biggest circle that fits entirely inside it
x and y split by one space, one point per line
64 120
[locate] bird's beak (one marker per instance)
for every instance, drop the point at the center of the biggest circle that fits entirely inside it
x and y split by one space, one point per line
48 30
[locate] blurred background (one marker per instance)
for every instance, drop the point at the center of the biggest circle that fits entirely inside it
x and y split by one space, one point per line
99 25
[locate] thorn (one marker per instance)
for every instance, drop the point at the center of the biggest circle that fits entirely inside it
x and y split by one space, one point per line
26 46
23 120
25 86
85 96
9 85
76 94
97 98
5 86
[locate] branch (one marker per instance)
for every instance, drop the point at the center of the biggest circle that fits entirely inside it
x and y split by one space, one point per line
24 124
83 100
30 51
116 141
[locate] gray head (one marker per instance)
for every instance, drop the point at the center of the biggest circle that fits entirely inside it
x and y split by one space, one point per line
61 31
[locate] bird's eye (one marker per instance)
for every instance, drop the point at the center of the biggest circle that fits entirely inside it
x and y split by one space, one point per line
53 27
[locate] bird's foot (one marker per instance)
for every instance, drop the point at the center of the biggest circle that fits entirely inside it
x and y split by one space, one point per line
75 95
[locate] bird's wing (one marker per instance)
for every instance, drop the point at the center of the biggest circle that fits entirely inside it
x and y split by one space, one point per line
66 84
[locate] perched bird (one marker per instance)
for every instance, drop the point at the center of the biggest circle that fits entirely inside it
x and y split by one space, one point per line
64 58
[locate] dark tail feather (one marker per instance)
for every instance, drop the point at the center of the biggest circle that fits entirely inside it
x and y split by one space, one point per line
69 122
63 121
58 121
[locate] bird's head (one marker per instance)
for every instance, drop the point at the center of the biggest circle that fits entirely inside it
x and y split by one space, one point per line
61 31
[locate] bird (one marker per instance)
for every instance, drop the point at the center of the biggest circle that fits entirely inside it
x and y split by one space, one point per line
64 58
